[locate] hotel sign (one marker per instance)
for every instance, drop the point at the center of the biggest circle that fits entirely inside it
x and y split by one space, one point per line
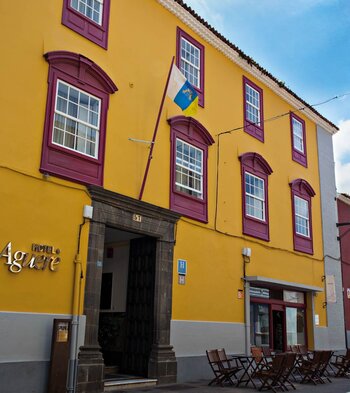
41 257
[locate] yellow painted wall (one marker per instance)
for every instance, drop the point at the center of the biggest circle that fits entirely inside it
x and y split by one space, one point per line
142 41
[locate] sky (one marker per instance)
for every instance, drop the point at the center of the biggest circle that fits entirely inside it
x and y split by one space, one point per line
305 44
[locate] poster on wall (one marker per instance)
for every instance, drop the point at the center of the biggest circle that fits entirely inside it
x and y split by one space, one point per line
330 289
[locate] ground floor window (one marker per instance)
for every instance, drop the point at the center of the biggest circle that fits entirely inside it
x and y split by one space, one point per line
295 326
277 318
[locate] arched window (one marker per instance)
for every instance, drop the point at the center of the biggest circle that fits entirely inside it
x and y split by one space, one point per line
255 171
188 178
302 193
76 116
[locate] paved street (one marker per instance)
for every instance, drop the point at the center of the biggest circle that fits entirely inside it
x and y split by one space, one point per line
339 385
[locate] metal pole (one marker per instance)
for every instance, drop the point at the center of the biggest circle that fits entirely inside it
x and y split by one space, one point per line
155 131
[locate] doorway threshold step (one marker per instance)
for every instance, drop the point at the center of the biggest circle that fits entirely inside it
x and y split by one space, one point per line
117 384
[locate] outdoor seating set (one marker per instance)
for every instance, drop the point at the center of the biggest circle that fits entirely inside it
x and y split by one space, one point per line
265 370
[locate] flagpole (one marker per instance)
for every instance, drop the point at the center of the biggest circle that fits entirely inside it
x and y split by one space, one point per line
155 132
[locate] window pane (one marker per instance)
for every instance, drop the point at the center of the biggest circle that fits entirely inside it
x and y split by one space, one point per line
295 318
189 167
298 135
293 297
252 105
76 116
92 9
259 328
190 62
255 196
302 222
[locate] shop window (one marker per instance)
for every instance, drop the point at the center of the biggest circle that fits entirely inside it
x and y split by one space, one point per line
255 171
298 135
76 116
253 109
90 18
302 193
189 155
190 61
259 325
295 326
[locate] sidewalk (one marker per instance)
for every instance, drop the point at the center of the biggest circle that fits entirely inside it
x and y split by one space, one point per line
338 385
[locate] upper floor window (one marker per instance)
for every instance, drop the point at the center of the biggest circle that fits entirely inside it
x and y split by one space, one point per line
255 171
90 18
190 61
253 109
188 178
76 116
302 193
298 139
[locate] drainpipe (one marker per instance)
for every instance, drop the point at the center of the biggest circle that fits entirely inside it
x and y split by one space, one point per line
73 352
246 253
247 316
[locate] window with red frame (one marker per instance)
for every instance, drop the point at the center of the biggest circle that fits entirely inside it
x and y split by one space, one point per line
253 109
188 177
190 61
255 171
297 126
76 116
302 192
89 18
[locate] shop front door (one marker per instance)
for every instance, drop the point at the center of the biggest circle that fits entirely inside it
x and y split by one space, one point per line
278 327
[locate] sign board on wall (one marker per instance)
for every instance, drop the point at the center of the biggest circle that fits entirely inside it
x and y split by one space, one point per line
317 319
40 257
182 266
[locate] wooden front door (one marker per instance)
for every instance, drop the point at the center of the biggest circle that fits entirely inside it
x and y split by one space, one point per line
140 306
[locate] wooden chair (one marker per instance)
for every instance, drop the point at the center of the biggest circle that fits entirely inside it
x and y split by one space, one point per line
288 368
222 369
322 369
272 376
258 355
313 370
229 364
342 365
268 354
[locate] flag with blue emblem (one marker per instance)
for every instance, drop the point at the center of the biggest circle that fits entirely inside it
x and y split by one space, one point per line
182 92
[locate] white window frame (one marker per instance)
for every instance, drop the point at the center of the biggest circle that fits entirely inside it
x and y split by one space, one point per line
198 68
198 192
86 5
298 137
251 105
77 120
307 219
263 200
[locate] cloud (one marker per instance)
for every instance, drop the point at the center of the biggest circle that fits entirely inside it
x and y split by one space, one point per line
208 11
341 143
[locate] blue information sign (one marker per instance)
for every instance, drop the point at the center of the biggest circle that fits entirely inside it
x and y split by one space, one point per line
182 266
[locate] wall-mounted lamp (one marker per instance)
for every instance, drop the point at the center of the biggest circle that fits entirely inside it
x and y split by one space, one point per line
88 211
247 252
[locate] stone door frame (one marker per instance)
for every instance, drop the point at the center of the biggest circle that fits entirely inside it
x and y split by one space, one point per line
119 211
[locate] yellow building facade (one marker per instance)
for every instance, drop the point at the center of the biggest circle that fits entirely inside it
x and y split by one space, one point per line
225 248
